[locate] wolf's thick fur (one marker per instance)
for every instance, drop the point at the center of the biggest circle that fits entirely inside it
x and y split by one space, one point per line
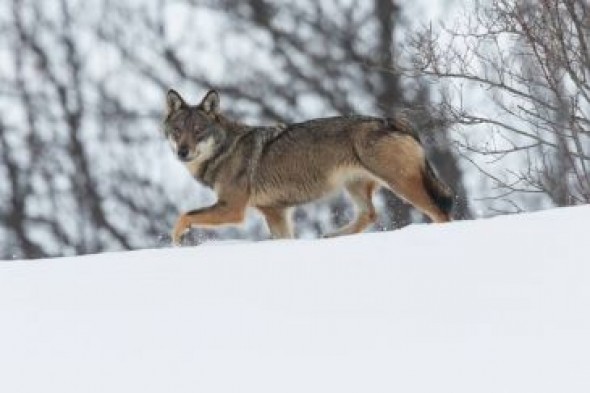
277 167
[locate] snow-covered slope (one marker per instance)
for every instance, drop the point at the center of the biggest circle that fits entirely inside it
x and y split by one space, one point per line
498 305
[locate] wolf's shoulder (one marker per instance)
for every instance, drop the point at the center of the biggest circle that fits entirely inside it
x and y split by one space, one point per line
269 132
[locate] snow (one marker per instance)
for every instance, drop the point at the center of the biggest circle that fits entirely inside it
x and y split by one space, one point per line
496 305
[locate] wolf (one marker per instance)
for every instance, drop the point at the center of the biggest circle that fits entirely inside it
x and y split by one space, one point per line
275 168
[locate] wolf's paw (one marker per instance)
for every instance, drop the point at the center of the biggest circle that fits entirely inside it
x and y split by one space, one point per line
176 241
176 238
181 227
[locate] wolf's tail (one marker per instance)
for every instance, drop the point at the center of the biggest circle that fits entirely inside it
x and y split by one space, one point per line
441 194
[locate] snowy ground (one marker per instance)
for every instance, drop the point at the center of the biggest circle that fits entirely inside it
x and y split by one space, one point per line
499 305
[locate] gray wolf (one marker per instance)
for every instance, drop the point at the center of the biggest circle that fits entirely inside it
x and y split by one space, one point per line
274 168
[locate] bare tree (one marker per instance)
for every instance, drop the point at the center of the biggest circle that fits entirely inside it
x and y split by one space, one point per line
60 197
530 63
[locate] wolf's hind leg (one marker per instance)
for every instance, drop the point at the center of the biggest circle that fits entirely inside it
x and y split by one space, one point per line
279 222
400 162
414 192
361 192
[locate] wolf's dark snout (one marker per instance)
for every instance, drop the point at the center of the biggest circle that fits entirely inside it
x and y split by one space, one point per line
183 152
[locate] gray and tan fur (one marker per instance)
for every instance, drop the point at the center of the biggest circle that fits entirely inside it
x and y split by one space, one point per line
275 168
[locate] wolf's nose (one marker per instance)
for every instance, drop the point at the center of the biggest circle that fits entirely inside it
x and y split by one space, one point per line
183 152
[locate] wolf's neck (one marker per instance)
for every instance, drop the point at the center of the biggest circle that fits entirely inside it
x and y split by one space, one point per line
230 125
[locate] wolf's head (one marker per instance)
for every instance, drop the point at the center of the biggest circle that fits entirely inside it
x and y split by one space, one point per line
194 131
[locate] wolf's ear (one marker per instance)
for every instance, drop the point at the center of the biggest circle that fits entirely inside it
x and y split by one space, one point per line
174 101
210 103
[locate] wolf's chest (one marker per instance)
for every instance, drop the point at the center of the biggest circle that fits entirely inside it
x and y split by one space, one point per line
194 167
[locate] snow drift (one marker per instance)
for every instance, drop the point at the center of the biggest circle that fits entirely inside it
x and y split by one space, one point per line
498 305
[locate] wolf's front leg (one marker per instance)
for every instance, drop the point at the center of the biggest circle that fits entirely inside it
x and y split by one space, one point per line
219 214
279 222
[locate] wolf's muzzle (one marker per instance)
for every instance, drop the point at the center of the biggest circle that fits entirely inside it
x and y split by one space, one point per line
183 152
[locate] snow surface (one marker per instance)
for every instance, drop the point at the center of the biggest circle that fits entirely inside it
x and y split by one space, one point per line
497 305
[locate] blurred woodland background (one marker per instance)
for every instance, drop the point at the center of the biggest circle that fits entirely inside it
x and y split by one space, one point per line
499 92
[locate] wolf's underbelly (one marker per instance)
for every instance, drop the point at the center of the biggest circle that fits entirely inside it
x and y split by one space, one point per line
303 187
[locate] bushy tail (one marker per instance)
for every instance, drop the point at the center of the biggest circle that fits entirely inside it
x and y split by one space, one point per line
441 194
